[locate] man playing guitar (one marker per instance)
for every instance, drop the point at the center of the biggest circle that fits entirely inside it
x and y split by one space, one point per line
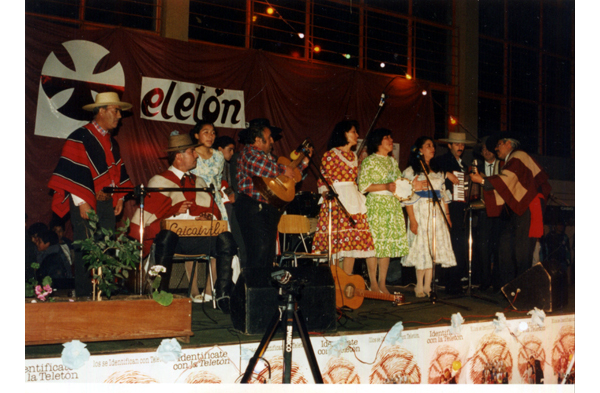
257 218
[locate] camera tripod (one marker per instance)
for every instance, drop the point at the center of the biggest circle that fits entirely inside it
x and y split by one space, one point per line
285 316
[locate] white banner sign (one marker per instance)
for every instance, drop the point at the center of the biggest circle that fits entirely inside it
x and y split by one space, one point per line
518 353
187 103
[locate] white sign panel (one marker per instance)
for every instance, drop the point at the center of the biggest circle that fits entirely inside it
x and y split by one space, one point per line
187 103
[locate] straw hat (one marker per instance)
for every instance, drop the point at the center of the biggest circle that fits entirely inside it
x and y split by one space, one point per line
179 141
457 137
106 99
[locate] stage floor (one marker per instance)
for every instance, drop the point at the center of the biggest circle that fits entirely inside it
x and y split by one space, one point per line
211 327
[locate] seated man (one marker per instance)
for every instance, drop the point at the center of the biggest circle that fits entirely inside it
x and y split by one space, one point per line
53 262
184 205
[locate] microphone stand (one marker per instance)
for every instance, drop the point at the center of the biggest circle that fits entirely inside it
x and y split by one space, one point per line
433 298
141 191
330 196
364 141
470 207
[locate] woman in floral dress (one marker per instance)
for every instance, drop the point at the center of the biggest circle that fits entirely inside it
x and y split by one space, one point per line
420 218
209 166
378 173
339 166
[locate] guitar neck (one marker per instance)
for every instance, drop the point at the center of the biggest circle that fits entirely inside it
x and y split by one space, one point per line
380 296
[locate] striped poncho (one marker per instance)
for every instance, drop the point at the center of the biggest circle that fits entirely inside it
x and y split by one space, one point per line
88 162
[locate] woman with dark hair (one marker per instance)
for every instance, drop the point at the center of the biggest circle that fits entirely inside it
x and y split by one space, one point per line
378 174
209 166
339 166
420 214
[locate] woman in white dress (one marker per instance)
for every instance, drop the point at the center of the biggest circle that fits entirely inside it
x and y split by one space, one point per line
420 211
209 166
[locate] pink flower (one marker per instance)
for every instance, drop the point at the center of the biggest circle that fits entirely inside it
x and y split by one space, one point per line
47 290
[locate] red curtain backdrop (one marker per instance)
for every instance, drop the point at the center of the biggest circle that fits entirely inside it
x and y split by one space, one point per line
304 99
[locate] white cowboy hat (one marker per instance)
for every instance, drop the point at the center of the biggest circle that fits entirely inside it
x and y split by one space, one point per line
106 99
457 137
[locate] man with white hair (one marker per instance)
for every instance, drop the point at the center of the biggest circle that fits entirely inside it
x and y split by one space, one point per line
519 190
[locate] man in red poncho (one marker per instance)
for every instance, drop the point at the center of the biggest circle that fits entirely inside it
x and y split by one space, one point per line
520 190
90 160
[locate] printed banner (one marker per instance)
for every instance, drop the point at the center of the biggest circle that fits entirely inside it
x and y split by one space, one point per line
187 103
481 353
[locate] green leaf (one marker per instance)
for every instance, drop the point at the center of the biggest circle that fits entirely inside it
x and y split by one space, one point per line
163 298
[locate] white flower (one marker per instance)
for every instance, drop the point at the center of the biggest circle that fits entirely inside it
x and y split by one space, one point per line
537 316
156 270
499 323
169 350
75 354
336 348
457 321
395 334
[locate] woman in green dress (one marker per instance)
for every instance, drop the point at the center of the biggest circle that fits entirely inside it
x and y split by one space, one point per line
378 173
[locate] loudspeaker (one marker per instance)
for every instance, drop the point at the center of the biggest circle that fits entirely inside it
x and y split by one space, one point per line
537 287
255 299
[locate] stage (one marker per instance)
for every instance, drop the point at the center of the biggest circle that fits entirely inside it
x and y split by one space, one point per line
363 348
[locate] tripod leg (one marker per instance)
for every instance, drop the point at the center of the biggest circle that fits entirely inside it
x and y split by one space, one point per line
308 349
288 341
262 347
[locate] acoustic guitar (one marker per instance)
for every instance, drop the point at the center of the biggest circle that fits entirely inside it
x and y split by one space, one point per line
281 190
350 290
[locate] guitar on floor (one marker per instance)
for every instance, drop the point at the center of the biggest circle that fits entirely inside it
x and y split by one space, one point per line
350 290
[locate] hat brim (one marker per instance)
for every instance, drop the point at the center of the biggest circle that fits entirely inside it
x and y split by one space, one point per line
125 106
276 133
184 147
466 142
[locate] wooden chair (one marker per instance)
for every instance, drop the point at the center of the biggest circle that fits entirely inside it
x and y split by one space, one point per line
294 224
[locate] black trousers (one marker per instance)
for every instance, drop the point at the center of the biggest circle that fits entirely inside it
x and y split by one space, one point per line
222 247
485 250
107 219
516 247
258 222
458 237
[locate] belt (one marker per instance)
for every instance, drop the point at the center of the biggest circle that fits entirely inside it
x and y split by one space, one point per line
428 193
102 196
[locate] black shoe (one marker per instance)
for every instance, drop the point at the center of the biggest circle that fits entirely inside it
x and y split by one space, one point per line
223 304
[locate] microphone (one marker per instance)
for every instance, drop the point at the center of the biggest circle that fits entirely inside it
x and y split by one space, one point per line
474 166
299 150
382 100
281 276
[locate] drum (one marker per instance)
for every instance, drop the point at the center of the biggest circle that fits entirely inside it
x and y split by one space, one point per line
404 189
304 203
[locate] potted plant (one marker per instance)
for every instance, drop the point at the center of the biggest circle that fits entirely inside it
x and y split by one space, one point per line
110 255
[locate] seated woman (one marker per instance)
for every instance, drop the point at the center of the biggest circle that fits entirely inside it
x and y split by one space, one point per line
209 167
